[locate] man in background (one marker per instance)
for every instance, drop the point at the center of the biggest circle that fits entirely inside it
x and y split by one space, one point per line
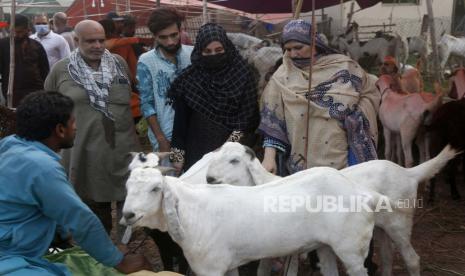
31 63
54 44
60 26
118 20
129 30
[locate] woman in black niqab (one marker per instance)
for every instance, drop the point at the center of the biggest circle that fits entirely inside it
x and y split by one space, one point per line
215 98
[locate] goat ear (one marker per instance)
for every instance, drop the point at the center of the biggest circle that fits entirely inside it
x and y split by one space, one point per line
256 171
165 170
171 214
163 155
250 152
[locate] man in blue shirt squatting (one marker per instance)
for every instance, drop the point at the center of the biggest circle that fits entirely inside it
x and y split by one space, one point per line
36 197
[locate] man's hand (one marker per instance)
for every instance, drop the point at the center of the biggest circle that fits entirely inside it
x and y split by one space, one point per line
159 135
164 145
133 263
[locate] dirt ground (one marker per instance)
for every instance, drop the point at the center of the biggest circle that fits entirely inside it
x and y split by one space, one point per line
439 236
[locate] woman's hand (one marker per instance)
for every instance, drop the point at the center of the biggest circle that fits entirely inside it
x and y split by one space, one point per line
178 167
269 160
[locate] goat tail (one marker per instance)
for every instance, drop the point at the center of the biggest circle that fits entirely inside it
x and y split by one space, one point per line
430 168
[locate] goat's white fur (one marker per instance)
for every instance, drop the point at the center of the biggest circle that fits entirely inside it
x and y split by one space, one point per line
450 45
382 176
220 227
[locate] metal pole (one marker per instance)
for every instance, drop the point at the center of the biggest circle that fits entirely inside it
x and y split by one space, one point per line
432 30
11 78
204 12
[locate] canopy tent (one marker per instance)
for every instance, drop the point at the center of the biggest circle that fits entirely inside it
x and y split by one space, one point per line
141 9
282 6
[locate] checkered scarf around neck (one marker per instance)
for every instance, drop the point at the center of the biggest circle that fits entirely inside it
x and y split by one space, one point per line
227 95
97 90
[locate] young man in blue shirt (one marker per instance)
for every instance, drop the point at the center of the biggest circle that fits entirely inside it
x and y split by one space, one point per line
157 69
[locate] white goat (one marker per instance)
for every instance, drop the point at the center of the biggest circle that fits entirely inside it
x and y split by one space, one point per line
418 45
220 227
246 44
450 45
264 59
243 41
257 53
377 47
236 164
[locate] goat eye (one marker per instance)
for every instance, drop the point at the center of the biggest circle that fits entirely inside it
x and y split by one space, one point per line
234 161
155 189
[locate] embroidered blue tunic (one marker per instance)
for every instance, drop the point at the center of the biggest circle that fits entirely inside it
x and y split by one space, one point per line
154 75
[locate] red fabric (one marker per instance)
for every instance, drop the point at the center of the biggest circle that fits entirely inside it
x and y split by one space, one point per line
390 60
123 47
283 6
3 24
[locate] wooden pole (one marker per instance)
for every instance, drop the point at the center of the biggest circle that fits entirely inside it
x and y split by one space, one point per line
11 78
310 74
341 14
2 18
432 29
349 16
84 9
204 12
298 9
